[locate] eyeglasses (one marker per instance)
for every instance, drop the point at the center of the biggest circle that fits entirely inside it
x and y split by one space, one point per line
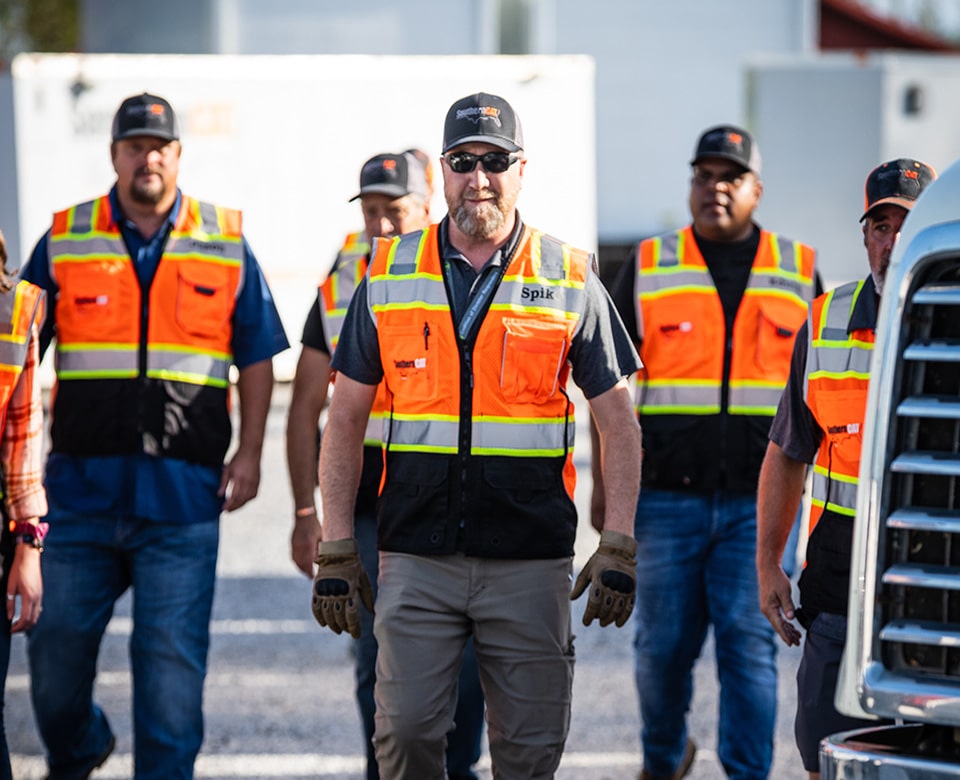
492 162
733 179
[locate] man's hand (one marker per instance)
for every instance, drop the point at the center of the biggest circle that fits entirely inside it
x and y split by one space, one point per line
612 575
776 602
304 540
340 579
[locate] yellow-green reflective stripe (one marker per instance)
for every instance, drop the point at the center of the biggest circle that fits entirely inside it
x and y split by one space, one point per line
190 379
697 410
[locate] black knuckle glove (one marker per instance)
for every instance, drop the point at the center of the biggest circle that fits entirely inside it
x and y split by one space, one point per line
339 586
611 574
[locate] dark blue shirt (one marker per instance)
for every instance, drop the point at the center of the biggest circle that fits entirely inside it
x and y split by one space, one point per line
162 489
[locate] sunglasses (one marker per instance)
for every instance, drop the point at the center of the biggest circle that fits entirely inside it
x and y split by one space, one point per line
492 162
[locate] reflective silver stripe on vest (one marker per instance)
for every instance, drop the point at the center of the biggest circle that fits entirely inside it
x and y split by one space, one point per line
13 345
754 399
345 280
208 219
536 438
423 434
190 367
406 286
842 492
13 353
73 362
550 291
676 398
788 252
835 352
373 436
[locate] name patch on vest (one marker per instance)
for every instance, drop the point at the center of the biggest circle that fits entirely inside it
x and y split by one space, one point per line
537 293
848 428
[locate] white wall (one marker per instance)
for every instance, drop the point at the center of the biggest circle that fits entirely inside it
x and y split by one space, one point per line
665 72
826 122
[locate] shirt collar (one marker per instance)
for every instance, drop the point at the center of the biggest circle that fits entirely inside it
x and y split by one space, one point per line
864 314
126 224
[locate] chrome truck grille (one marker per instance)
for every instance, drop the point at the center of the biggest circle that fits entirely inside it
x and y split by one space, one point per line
918 583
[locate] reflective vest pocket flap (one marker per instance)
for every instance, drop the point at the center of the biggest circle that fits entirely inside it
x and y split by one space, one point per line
408 360
533 354
203 303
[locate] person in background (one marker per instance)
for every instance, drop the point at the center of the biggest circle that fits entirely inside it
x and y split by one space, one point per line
21 456
474 325
714 308
154 295
394 199
820 420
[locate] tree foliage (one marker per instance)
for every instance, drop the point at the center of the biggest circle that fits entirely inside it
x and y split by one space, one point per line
38 25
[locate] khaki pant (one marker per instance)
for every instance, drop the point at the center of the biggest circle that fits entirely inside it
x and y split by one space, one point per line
519 615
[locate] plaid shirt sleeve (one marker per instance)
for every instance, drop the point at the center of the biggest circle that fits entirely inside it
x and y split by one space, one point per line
21 450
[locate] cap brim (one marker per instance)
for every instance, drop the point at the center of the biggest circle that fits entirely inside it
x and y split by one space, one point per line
166 136
725 156
502 143
393 190
906 203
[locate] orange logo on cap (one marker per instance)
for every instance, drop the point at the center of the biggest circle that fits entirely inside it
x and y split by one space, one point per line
911 174
156 108
735 138
389 165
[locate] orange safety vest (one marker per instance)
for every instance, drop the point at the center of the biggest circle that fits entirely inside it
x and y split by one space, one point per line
683 328
479 438
835 390
142 373
334 296
20 308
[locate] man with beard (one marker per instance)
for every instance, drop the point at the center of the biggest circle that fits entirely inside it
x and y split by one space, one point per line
714 308
821 420
474 324
394 198
154 296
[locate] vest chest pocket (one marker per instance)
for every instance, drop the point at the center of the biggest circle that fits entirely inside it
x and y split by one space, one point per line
409 355
203 301
533 354
777 325
89 308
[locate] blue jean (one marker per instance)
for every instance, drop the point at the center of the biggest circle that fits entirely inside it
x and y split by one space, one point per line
464 742
696 568
88 563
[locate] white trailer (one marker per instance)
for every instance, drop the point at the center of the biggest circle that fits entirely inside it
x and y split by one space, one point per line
825 122
283 138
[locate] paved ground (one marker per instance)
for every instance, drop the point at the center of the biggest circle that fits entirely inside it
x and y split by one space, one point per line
279 696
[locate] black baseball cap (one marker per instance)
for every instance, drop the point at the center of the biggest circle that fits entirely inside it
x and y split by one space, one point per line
897 181
145 115
729 143
395 175
486 118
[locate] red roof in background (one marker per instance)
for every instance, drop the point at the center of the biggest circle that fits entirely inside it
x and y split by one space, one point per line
848 24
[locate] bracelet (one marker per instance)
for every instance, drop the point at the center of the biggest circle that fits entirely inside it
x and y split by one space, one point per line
30 540
25 528
28 533
305 511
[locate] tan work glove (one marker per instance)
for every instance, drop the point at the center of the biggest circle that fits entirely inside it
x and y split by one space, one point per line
612 574
339 580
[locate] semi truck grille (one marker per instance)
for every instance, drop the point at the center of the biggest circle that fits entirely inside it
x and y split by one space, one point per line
919 557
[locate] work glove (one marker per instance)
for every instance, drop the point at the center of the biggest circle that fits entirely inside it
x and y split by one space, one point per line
339 581
612 574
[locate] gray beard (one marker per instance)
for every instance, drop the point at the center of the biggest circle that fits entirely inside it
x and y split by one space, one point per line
481 223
